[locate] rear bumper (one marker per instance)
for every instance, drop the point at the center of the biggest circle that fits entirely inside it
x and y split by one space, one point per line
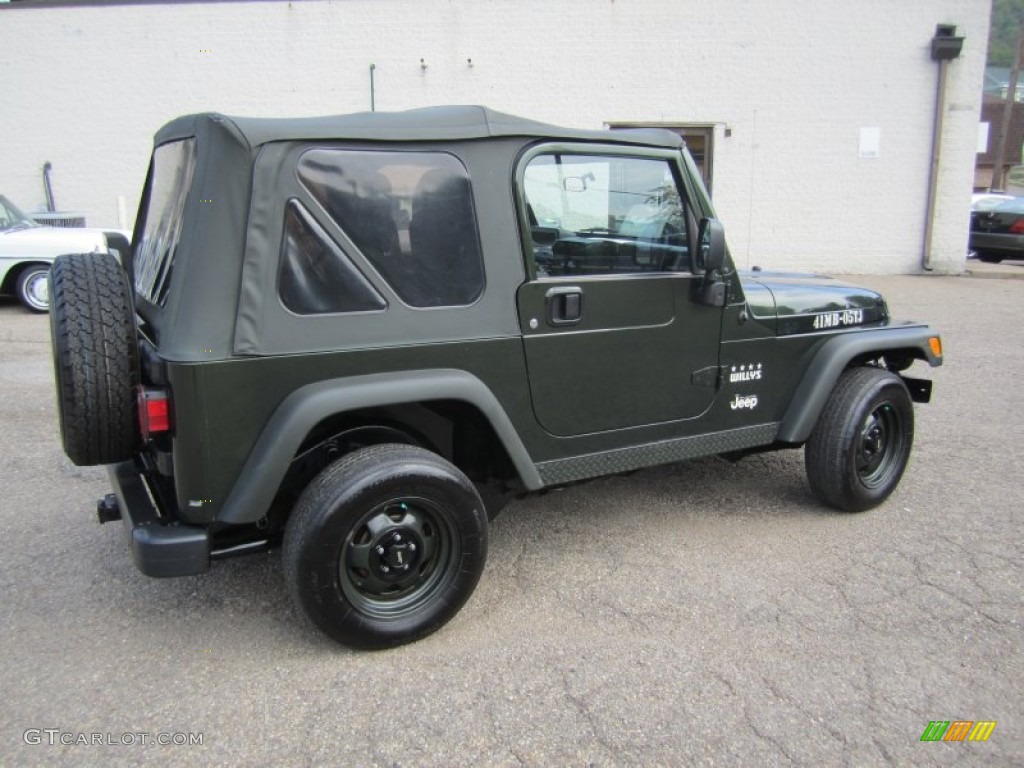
159 547
1010 245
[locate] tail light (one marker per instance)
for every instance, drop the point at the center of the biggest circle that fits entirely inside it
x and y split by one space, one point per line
1017 228
154 411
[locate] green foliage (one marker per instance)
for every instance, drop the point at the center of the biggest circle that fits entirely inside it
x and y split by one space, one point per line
1007 16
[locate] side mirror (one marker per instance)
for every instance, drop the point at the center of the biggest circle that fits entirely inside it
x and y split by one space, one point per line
710 246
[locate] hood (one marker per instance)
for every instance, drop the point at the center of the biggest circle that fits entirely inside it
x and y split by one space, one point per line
805 303
50 242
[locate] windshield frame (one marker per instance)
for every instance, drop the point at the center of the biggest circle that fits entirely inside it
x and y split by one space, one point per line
15 217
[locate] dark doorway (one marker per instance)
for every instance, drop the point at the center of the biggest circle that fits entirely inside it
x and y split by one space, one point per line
700 140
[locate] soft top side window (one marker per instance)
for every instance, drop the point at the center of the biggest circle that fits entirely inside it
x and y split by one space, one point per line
316 276
410 214
593 214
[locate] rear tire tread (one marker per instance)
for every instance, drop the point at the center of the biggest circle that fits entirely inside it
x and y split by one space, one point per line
313 513
95 358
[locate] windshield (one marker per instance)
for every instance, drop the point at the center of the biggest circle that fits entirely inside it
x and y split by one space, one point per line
11 217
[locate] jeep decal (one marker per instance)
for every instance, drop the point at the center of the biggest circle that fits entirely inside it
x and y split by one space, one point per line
744 401
745 373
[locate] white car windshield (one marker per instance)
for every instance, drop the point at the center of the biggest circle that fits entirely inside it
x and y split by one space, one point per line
12 218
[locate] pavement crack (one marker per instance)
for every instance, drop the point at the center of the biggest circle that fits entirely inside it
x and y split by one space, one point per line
764 735
581 706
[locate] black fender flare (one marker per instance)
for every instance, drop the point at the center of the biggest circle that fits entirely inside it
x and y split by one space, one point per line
305 407
833 357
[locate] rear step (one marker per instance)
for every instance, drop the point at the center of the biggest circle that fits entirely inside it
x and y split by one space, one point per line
108 510
159 547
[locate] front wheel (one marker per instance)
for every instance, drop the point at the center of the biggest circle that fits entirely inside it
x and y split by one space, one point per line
385 546
860 446
33 287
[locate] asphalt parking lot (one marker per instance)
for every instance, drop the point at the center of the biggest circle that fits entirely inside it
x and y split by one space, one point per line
698 614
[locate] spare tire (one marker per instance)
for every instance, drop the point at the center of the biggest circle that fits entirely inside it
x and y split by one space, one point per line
95 358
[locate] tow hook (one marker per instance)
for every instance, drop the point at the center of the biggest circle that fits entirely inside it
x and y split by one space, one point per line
107 509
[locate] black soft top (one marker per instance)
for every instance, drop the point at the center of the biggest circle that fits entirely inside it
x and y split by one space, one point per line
223 300
428 124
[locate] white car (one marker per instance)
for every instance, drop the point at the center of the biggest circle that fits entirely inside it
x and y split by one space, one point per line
27 251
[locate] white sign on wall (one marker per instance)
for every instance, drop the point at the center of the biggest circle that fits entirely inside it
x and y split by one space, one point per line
982 147
870 141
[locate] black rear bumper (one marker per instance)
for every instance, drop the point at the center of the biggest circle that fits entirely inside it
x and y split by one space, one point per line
160 547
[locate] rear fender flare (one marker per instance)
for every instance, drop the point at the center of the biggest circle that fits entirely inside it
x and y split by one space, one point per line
832 358
277 444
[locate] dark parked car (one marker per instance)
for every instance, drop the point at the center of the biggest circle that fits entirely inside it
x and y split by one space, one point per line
355 336
998 233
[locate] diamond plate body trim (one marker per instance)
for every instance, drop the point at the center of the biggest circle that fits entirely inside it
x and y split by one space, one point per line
664 452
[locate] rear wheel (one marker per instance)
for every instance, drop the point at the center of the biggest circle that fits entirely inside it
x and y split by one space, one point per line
33 287
95 358
860 446
989 258
385 546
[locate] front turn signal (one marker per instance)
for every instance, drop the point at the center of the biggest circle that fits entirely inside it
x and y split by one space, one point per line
936 344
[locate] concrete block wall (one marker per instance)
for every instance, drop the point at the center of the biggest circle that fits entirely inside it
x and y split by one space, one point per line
788 86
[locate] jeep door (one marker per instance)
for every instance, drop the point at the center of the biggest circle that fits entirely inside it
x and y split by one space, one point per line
613 338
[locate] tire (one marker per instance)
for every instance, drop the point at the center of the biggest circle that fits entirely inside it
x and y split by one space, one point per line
989 258
95 358
385 546
860 446
33 287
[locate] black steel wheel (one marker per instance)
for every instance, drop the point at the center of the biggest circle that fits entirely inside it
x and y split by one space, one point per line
33 287
393 560
385 546
861 444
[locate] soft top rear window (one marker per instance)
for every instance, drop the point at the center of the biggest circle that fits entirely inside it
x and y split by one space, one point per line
170 180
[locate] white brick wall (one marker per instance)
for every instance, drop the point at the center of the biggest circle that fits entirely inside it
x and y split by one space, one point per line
794 82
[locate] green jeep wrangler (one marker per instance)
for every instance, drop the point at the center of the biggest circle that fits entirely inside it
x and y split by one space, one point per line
357 336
